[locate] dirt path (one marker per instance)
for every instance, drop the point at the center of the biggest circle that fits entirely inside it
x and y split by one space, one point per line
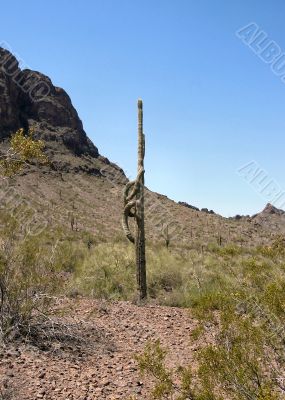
97 363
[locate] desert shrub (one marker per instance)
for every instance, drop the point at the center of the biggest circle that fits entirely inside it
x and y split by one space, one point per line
239 365
267 251
255 272
152 362
197 332
235 368
189 280
279 243
228 250
71 255
30 275
276 249
273 296
205 303
107 272
165 272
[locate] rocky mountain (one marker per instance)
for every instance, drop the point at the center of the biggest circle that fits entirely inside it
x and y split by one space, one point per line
271 218
28 99
270 210
81 186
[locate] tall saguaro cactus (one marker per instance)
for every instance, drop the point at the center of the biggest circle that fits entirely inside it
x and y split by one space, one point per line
134 208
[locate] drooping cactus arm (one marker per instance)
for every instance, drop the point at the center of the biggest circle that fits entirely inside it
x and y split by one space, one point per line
125 220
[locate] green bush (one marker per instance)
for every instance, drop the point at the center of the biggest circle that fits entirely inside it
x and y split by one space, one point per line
31 275
239 365
235 368
107 272
152 363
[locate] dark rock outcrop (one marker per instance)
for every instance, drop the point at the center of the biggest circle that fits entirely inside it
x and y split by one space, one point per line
207 211
9 112
29 99
184 204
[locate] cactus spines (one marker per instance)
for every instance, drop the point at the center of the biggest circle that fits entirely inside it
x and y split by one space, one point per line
134 208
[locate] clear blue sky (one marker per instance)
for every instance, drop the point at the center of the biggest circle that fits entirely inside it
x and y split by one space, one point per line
210 104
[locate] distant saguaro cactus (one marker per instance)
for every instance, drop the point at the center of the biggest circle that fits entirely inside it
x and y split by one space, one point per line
134 207
220 239
72 221
166 236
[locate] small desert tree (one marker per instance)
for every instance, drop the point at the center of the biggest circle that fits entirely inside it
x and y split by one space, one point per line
23 148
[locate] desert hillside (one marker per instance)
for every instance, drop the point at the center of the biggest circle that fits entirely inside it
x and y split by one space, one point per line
81 185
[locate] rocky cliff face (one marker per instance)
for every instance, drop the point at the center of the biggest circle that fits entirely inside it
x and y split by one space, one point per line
28 98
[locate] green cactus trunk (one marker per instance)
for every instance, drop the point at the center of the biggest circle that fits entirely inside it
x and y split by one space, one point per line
140 236
134 207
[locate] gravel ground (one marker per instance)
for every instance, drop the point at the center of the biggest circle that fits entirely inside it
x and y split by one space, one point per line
86 352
